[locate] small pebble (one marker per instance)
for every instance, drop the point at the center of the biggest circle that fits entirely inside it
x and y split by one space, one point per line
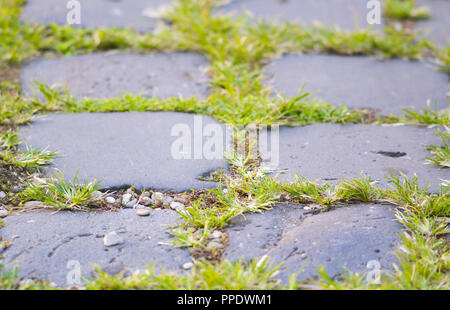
110 200
143 212
131 203
146 201
157 196
126 199
3 213
216 234
96 195
146 194
34 204
112 238
177 206
2 194
188 265
167 199
214 245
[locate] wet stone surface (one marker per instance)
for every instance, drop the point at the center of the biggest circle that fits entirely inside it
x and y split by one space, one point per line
109 75
361 82
331 152
47 245
139 149
349 236
141 15
346 14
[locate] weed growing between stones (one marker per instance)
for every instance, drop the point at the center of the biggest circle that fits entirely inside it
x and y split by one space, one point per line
56 192
405 9
237 49
257 274
441 154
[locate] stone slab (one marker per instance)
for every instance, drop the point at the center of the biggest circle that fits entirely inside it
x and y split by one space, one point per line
437 27
349 237
97 13
346 14
361 82
109 75
126 149
331 152
43 243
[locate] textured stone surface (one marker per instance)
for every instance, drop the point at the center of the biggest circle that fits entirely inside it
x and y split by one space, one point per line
108 75
124 148
329 152
437 27
348 237
361 82
43 243
347 14
97 13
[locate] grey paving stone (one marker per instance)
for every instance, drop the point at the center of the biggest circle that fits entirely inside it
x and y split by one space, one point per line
347 14
347 237
437 27
330 152
43 243
361 82
108 75
97 13
126 148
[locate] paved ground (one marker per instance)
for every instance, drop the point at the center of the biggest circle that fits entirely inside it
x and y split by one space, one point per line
346 237
137 148
44 242
361 82
330 152
138 14
109 75
346 14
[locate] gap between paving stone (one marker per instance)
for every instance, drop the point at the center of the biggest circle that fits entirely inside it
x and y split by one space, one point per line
140 15
111 74
349 236
44 242
346 14
332 152
135 148
361 82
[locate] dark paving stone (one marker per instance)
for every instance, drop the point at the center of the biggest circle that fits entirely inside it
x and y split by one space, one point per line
108 75
44 242
361 82
346 237
347 14
124 148
437 27
330 152
97 13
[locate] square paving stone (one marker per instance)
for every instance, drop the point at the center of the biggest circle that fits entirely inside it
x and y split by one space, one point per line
44 242
331 152
437 27
361 82
349 237
346 14
108 75
137 14
135 148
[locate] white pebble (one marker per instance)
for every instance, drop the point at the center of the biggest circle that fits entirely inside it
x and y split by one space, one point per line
112 238
126 199
110 200
188 265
